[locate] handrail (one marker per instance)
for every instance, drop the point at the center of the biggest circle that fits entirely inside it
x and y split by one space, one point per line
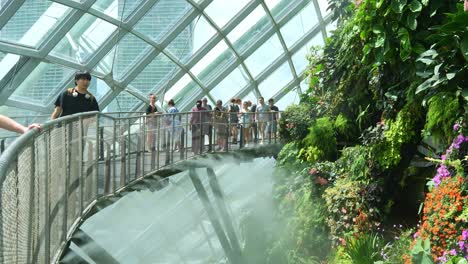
50 178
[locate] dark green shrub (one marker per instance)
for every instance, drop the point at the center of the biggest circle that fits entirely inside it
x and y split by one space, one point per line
295 122
320 143
444 109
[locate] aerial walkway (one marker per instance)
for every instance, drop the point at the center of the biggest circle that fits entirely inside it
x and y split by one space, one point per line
52 181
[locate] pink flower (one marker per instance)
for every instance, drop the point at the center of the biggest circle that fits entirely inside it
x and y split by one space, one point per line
464 234
466 5
313 171
321 181
416 235
461 245
453 252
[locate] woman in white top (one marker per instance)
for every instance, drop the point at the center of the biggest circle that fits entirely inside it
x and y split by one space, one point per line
245 121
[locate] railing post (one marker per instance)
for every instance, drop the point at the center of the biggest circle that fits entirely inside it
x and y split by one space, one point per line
31 203
66 173
101 141
99 154
241 137
129 149
80 167
156 137
2 145
114 155
46 199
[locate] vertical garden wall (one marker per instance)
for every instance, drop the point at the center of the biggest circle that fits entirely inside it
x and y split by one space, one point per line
375 166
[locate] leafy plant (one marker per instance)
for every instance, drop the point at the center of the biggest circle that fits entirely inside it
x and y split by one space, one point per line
444 110
364 248
444 66
295 122
321 140
421 252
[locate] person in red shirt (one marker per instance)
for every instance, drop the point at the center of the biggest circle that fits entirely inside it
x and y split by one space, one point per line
197 119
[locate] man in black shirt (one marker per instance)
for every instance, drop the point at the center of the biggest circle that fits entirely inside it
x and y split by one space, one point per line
77 99
273 123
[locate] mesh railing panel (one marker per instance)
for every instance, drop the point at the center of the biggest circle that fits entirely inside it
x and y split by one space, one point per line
50 178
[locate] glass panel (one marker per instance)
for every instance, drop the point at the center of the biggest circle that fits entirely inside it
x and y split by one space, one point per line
188 94
323 4
177 87
98 88
249 30
182 46
300 57
264 55
279 9
84 39
105 65
290 98
42 84
250 97
115 8
33 22
277 80
299 25
130 50
221 11
156 73
272 3
15 112
231 85
124 102
7 62
214 62
162 18
331 27
202 33
304 85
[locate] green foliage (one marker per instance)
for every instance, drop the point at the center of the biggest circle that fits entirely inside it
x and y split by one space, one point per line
304 236
444 66
421 252
354 163
444 109
343 201
345 130
295 122
364 248
341 10
398 249
320 143
399 132
457 260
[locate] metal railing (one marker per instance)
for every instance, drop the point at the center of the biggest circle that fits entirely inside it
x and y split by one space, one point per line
49 180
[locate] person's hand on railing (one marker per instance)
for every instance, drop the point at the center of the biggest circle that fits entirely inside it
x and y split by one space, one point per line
10 124
33 126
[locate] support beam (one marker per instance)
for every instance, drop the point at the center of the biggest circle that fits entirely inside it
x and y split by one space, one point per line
9 10
217 227
28 106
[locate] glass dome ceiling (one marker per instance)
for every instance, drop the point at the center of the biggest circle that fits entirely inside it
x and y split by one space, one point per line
180 49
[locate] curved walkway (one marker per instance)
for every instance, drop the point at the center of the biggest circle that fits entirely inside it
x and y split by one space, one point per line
50 182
